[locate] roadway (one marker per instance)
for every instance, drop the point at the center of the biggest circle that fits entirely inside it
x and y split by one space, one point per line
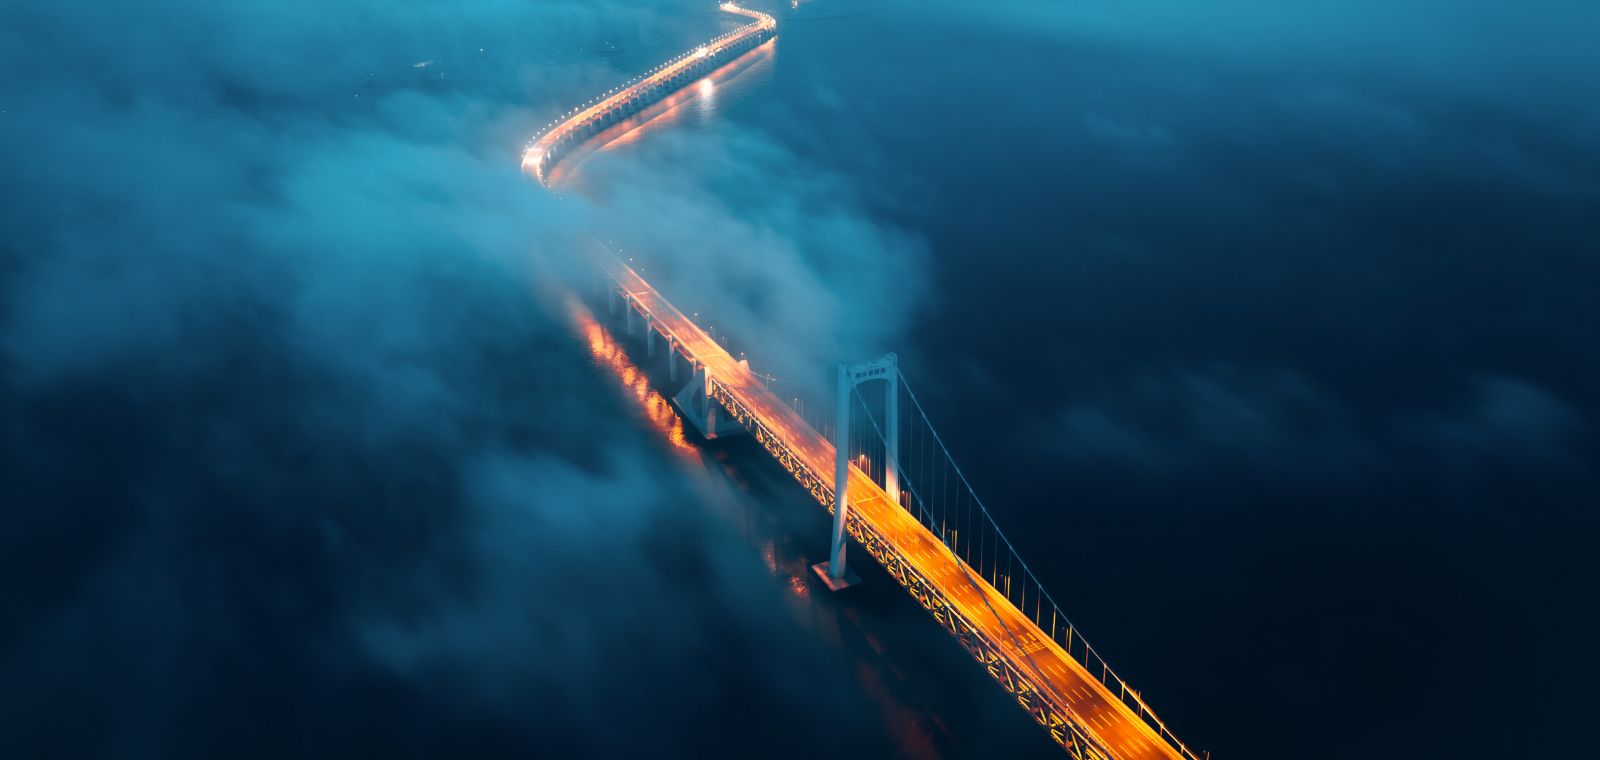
603 105
1090 703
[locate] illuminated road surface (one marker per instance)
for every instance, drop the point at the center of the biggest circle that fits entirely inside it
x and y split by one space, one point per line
577 118
1092 705
663 113
1031 651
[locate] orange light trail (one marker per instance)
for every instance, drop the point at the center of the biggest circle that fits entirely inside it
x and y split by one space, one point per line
1089 701
1093 705
533 157
662 114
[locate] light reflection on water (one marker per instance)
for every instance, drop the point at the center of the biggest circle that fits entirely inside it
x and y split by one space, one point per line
605 352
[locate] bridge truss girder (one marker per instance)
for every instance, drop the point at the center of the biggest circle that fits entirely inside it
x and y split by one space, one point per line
1066 732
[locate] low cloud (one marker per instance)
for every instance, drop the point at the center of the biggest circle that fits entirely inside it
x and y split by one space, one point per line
300 453
1179 424
792 265
1506 420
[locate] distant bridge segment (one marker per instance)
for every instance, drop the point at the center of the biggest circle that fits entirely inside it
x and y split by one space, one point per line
559 137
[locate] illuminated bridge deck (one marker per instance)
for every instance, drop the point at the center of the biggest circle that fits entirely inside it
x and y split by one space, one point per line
1087 716
586 120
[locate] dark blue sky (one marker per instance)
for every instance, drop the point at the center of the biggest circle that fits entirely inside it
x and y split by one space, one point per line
1268 331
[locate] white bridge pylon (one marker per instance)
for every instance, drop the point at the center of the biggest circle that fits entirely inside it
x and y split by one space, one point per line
946 551
835 572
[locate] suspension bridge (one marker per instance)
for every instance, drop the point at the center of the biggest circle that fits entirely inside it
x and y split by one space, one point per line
910 508
886 477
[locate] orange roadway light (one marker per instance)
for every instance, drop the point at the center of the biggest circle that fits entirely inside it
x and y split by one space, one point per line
1067 688
564 130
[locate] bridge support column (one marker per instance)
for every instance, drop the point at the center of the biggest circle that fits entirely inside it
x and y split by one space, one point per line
649 335
630 315
699 407
835 573
710 406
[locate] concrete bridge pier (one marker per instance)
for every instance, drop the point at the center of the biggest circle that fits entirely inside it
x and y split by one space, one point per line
700 408
672 359
649 336
710 405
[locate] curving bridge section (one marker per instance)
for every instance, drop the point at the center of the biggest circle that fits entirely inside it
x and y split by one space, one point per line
1037 655
585 121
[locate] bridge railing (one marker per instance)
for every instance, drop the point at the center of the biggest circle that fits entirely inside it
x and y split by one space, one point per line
945 502
942 500
537 149
1049 710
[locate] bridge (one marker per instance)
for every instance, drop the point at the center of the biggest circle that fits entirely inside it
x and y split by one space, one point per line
984 596
892 488
568 131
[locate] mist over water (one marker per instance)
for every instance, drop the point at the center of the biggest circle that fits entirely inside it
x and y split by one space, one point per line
1266 331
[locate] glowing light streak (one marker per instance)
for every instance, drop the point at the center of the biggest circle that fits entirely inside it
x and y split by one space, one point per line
1048 680
1032 665
538 156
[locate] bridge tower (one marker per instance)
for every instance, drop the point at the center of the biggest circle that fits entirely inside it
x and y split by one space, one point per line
835 572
